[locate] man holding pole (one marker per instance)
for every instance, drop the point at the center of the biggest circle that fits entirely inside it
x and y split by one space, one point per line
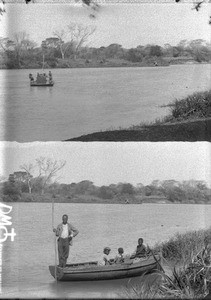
65 231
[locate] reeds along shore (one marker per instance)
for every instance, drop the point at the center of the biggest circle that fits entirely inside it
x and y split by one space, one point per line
191 108
186 263
189 119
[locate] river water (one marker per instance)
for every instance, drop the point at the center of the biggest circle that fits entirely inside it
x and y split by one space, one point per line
26 259
83 101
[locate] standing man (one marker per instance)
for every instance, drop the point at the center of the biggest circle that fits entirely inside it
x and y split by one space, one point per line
65 231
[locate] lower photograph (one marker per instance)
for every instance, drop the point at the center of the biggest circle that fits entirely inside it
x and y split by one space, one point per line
105 220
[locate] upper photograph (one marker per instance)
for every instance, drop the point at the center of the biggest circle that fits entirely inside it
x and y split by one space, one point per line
105 72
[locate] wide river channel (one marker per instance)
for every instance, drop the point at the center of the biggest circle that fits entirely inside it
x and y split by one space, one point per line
83 101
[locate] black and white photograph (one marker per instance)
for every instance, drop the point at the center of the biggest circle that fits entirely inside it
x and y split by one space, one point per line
109 72
114 220
105 154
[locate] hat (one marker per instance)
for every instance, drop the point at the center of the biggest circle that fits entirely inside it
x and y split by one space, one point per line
107 249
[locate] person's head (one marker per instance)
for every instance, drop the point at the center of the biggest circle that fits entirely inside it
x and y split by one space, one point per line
106 250
120 250
64 219
140 241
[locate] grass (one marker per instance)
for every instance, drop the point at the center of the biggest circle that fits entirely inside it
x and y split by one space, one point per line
181 247
197 105
189 120
193 107
190 275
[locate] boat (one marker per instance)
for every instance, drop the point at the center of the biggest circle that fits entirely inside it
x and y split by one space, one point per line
92 271
35 83
41 80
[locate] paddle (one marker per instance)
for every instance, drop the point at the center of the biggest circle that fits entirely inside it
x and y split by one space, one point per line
155 258
55 248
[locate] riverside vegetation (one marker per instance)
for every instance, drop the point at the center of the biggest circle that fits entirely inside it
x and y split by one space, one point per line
28 186
189 119
68 48
185 271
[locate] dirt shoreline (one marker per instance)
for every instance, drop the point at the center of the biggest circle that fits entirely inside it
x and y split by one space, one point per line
191 131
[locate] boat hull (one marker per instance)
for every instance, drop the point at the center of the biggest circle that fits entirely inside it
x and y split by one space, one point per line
91 271
41 84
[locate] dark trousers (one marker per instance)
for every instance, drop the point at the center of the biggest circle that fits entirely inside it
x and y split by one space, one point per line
63 251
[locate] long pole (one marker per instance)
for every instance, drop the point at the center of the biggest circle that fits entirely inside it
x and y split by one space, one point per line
43 59
55 248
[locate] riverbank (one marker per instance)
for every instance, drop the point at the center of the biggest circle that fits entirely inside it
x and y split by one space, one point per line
89 199
189 120
191 131
108 63
185 269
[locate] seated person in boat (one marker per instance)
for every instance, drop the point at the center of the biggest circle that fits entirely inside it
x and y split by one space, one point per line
141 250
119 258
41 78
31 77
50 77
107 260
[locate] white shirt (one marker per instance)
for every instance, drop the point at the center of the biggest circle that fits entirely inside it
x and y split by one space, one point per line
64 234
101 262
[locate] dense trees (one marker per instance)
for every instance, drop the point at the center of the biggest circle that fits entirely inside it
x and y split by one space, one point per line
67 47
33 178
37 179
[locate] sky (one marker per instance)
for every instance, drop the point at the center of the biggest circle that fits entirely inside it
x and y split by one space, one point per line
127 24
106 163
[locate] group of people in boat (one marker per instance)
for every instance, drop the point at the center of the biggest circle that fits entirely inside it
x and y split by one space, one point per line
66 232
140 252
42 78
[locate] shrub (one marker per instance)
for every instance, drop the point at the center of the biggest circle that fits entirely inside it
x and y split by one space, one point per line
26 197
191 278
184 245
196 105
11 198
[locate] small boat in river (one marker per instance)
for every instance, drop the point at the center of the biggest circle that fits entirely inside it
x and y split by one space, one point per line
92 271
41 80
41 84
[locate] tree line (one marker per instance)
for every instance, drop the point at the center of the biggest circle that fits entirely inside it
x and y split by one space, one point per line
40 179
69 45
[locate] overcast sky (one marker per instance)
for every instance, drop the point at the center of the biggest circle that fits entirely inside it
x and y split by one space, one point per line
106 163
127 24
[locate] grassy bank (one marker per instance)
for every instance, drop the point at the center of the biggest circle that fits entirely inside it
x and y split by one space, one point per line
188 258
48 198
181 247
189 119
92 199
101 63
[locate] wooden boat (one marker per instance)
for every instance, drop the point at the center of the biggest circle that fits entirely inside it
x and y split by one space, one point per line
35 83
92 271
41 80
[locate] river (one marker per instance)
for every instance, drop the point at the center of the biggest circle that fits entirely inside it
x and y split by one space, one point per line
25 260
87 100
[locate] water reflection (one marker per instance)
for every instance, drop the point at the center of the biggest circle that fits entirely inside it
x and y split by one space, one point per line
90 289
